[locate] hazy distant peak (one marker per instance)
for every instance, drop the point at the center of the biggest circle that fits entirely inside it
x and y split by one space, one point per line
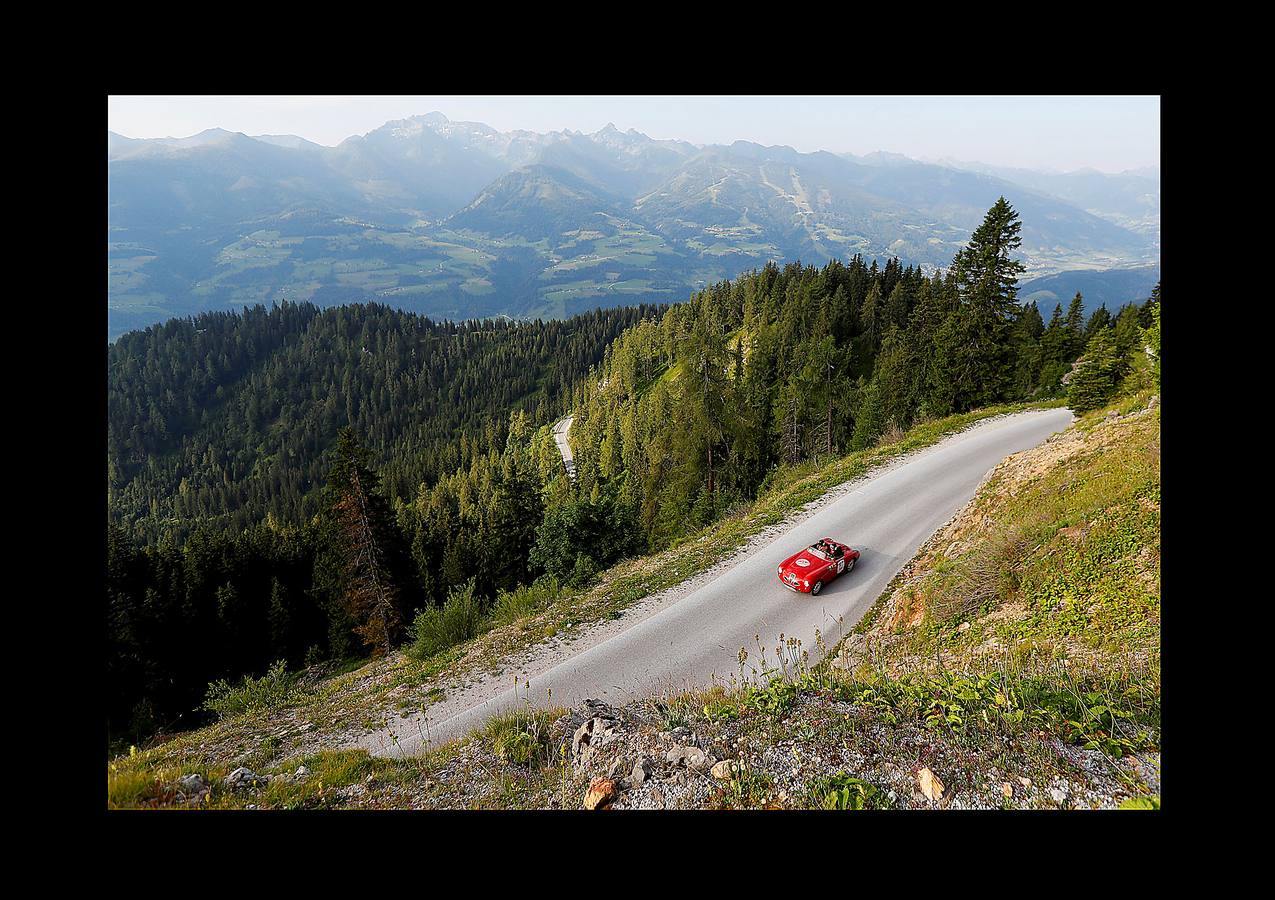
204 138
611 136
120 147
885 158
288 141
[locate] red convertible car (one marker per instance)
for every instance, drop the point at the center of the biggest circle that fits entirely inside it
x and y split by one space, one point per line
808 571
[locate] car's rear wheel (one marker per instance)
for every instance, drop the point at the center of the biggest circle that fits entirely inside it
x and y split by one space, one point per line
816 588
850 568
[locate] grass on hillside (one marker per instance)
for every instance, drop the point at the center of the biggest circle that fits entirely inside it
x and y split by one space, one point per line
1067 563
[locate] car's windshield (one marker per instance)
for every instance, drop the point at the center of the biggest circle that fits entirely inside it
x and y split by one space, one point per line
816 551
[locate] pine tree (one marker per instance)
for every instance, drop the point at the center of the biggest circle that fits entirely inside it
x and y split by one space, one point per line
1144 312
1074 328
871 320
888 399
1128 330
1025 338
976 342
897 307
370 592
986 273
1054 359
279 619
1097 374
1099 319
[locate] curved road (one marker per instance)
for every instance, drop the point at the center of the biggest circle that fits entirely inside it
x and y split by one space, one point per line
696 640
560 430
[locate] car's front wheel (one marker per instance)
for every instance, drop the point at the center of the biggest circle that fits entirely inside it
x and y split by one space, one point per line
816 588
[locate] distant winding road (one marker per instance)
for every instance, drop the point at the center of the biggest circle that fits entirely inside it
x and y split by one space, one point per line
560 429
696 640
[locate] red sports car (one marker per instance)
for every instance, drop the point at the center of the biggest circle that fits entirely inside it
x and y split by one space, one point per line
808 571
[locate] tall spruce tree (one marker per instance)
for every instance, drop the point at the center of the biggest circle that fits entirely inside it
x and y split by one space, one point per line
1074 327
986 272
1099 319
367 542
974 343
1025 336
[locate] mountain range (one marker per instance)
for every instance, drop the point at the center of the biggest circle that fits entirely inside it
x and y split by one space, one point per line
458 220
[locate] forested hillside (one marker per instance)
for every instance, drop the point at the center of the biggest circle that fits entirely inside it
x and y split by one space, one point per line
447 490
226 418
689 415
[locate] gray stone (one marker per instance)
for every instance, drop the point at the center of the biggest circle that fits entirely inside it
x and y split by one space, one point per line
642 770
192 785
595 733
596 709
728 768
691 757
243 777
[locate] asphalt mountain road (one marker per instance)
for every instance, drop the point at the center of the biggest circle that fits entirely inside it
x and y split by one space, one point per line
696 640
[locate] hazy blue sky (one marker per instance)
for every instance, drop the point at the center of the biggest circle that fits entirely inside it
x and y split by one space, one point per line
1064 133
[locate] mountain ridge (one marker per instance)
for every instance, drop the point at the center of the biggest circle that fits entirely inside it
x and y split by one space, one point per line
210 221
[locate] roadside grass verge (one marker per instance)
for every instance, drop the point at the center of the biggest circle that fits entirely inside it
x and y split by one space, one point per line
514 751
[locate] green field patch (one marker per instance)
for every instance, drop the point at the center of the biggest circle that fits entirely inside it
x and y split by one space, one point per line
126 275
633 285
477 286
412 290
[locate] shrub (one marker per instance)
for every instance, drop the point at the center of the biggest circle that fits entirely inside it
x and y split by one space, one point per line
521 737
270 691
600 531
456 621
892 434
526 601
584 570
1097 375
982 578
313 655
